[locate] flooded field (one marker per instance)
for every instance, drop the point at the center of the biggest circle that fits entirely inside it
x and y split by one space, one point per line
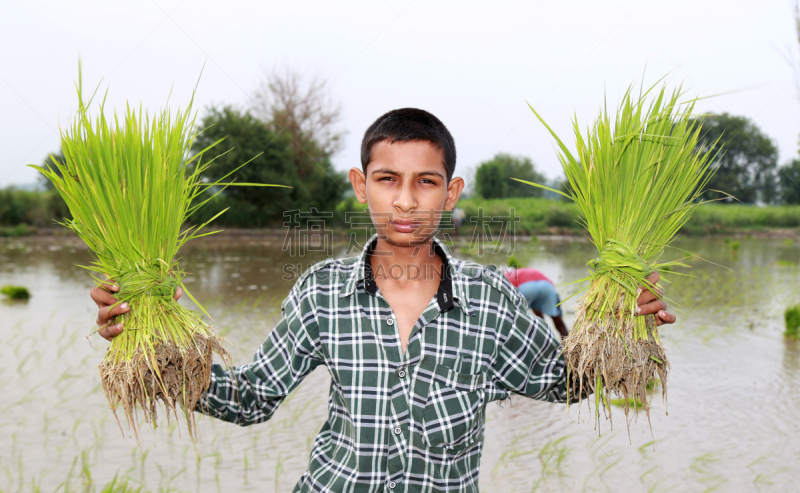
734 389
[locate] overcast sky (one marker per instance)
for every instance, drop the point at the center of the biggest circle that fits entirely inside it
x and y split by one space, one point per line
473 64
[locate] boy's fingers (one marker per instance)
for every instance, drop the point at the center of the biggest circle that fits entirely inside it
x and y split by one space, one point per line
102 297
110 332
178 293
104 314
653 278
648 295
645 297
652 307
664 317
109 285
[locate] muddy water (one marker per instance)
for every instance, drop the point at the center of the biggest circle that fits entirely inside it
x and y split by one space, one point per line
734 389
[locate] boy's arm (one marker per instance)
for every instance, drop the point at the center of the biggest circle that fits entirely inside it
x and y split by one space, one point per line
529 359
251 394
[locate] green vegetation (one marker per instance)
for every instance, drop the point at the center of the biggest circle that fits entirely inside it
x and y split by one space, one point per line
493 177
130 185
535 216
792 318
789 182
16 231
745 159
15 292
21 209
623 403
543 216
513 262
314 181
643 181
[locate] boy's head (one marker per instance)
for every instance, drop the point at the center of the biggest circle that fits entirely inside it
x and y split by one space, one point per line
407 162
410 124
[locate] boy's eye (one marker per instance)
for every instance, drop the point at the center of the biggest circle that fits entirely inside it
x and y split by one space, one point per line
385 178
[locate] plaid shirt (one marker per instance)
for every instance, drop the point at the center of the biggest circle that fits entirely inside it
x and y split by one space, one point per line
397 422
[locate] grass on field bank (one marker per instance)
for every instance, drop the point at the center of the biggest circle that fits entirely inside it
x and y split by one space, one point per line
792 318
543 216
22 212
15 292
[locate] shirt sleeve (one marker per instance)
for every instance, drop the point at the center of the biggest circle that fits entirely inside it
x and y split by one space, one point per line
529 360
251 394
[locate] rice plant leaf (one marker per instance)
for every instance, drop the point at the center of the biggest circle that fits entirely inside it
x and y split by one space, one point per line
542 186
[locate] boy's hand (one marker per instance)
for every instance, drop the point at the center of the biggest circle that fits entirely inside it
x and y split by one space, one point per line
105 317
650 303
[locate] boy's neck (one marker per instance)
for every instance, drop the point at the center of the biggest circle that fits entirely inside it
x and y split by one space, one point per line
414 259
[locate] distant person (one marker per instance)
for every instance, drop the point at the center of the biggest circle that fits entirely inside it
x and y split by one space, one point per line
458 220
540 293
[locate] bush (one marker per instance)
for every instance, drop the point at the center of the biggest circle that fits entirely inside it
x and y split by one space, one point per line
24 207
16 231
559 217
520 216
792 318
15 292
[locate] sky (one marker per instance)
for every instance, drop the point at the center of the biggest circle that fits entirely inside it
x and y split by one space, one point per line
476 65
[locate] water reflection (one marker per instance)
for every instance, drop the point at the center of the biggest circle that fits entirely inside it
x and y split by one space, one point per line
734 387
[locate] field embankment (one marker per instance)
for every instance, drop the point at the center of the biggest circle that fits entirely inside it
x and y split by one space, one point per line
534 216
24 213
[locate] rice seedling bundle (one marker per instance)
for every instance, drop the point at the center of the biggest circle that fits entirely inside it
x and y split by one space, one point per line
130 185
636 178
15 292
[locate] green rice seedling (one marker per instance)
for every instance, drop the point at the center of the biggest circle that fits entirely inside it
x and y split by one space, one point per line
636 178
792 318
15 292
513 262
130 184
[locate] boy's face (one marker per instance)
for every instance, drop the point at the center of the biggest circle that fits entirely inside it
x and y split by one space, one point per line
406 189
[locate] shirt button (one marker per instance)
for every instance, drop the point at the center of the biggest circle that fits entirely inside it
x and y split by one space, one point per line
397 431
401 373
389 322
392 484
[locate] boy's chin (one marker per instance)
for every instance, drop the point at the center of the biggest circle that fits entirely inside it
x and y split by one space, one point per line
414 239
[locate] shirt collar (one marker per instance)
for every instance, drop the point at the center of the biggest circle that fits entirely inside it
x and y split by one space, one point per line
448 289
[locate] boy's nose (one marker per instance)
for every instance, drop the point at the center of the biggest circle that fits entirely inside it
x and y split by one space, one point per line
405 199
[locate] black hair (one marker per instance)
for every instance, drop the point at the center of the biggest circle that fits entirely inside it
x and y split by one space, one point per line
409 124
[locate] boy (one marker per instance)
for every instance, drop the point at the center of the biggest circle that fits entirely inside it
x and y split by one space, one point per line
540 294
417 343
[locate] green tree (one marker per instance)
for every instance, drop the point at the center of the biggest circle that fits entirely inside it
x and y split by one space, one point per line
320 186
789 182
493 177
48 163
54 206
747 164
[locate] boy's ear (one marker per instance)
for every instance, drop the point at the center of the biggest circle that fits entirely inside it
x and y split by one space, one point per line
454 189
359 182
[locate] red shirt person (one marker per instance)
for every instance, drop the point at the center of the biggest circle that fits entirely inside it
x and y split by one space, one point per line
540 293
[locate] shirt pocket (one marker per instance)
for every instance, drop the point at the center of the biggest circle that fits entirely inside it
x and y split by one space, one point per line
454 410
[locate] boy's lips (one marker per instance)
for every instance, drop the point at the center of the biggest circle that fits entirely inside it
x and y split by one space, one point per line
404 225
